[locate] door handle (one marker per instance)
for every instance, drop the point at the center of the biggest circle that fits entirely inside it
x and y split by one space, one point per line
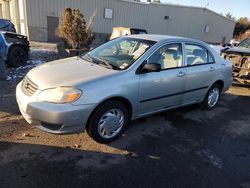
181 74
212 69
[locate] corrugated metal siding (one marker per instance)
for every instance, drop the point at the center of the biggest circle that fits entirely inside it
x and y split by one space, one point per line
184 21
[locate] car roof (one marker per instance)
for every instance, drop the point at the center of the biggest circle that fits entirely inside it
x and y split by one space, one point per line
157 38
2 19
166 38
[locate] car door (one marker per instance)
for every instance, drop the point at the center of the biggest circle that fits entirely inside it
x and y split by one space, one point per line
201 69
164 89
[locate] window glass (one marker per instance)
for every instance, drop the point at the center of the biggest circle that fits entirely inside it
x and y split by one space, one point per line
120 53
7 23
168 56
2 24
245 43
196 54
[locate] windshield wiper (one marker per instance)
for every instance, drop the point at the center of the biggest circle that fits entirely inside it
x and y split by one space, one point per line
88 58
105 62
99 61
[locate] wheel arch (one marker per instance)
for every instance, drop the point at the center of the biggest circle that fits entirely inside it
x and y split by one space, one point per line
123 100
220 83
25 48
19 45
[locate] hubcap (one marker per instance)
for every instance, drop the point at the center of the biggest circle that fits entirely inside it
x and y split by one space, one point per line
111 123
213 97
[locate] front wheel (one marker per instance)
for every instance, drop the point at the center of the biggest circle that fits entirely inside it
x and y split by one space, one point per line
212 97
108 122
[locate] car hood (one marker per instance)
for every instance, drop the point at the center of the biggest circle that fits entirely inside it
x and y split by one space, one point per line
237 50
67 72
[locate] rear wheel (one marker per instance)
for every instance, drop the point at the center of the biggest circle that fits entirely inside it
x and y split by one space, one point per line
17 56
212 97
108 122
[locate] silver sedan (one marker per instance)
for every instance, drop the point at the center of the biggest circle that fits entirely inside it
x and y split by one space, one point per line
122 80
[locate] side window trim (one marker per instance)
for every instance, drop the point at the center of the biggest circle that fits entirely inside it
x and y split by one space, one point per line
210 54
202 46
169 43
199 64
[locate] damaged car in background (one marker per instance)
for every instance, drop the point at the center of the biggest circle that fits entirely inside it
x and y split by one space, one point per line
240 56
16 49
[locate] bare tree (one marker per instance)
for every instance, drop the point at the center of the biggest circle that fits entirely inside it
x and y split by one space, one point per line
78 32
89 28
74 30
242 25
230 16
65 25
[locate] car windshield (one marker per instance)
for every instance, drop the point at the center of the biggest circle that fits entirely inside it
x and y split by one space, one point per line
120 53
245 43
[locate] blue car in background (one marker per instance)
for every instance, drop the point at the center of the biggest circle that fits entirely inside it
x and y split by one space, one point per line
14 49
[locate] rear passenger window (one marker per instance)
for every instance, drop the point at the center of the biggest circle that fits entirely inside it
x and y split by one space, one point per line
168 56
198 55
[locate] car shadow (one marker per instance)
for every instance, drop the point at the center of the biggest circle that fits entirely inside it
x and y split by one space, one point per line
34 165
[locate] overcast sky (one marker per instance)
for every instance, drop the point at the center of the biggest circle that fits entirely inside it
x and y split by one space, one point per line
240 8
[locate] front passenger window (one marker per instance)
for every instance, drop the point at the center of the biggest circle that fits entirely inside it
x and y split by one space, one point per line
168 56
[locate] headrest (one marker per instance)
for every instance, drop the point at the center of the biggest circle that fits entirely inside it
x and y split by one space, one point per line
198 52
173 53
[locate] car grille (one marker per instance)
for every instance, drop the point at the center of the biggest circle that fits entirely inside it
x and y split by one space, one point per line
29 87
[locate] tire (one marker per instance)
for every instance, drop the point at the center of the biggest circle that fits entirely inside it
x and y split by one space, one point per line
99 127
215 90
17 56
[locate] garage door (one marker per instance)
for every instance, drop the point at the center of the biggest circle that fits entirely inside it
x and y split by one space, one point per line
53 23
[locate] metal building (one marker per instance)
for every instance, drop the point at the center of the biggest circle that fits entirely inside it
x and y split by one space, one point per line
39 18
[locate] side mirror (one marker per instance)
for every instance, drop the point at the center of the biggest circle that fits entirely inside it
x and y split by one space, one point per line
151 67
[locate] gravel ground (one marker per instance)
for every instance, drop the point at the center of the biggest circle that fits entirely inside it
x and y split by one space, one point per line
186 147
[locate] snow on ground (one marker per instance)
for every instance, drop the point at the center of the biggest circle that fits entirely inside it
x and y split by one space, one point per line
38 55
20 72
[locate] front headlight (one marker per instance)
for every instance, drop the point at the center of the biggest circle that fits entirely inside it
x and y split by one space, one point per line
59 95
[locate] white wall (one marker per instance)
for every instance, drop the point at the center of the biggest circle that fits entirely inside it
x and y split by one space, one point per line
184 21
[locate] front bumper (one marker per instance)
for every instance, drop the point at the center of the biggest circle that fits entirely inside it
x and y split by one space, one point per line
53 118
